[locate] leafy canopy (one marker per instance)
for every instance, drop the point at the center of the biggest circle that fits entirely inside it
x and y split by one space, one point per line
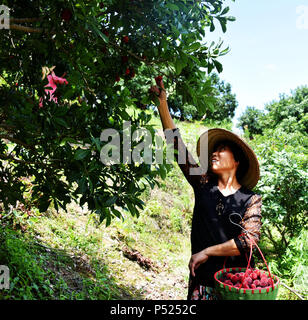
105 50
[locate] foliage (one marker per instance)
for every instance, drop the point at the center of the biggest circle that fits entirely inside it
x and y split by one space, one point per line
283 185
226 101
103 49
289 113
222 97
251 120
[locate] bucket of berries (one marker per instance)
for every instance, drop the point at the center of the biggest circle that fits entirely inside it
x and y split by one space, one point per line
246 283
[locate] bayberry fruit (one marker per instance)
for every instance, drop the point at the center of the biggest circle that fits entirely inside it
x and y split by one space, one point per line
263 282
256 283
248 280
234 278
254 276
66 14
229 275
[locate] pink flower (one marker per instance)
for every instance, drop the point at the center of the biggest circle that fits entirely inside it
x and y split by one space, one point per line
53 80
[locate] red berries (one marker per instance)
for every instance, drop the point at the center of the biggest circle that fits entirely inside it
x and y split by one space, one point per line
66 14
132 73
256 283
234 278
263 282
254 276
250 279
125 39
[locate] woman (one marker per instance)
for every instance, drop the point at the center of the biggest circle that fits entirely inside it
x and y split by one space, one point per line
217 235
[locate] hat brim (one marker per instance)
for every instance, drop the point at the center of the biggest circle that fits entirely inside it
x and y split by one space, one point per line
208 140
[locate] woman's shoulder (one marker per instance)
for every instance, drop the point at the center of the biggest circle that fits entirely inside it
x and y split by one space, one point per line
249 195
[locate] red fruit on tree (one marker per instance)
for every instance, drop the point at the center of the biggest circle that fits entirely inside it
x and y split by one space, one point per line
106 33
66 14
127 71
117 78
125 39
132 73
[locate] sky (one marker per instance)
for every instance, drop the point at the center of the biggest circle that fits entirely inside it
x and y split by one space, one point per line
268 50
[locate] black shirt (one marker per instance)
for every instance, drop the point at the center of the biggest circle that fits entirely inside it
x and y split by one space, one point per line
211 223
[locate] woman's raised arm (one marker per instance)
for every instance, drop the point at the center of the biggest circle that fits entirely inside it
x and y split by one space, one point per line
183 157
163 108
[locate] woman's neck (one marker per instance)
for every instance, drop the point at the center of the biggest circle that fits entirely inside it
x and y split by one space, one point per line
228 182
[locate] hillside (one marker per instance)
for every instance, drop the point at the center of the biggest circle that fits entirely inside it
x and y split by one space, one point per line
68 255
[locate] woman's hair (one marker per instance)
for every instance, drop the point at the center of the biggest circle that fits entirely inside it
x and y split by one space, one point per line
238 155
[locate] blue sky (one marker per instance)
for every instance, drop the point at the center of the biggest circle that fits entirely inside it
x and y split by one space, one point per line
269 50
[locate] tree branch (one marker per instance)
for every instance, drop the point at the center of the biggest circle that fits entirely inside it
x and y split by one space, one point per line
17 141
21 20
11 158
25 29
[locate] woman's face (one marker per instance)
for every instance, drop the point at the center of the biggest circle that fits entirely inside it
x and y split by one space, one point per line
222 160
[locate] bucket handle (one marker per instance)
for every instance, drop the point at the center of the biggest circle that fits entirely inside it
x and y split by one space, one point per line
252 241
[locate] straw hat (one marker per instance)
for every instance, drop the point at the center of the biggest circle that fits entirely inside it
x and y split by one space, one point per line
209 138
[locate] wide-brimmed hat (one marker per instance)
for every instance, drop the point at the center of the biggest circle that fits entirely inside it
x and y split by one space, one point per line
209 139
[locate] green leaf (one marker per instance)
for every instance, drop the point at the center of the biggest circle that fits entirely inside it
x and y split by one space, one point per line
162 171
172 6
61 122
117 213
225 10
111 201
81 154
210 67
218 66
193 47
212 27
223 24
179 65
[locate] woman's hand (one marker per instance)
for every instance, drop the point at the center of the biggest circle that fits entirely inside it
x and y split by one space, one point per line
195 261
159 90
